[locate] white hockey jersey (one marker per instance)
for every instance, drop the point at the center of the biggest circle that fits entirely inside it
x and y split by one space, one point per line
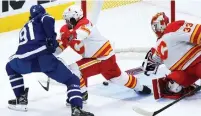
89 42
180 45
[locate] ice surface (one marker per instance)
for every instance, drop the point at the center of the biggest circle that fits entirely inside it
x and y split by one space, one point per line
127 26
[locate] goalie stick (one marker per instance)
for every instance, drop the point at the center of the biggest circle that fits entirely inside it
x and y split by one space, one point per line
147 113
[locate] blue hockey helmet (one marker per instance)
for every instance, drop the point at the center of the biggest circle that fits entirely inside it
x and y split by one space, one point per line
36 10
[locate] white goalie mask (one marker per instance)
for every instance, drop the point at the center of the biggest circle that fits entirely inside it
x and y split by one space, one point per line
159 23
174 87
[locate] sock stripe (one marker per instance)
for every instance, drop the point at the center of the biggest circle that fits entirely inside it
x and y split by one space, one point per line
73 97
16 79
135 83
81 79
73 90
18 86
82 85
129 81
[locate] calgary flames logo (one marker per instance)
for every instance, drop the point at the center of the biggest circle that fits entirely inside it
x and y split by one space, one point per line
162 50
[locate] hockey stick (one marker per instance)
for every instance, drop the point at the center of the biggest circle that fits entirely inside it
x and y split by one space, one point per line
47 86
133 71
147 113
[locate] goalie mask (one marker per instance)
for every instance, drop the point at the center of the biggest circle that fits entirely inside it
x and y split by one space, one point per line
159 23
72 15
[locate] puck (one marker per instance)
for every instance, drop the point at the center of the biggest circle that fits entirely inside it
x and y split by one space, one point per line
105 83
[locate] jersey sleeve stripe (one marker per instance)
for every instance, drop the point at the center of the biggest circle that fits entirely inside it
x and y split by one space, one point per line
190 54
85 29
195 35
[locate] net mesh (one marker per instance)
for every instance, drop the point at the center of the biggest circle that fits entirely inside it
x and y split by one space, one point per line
94 8
107 4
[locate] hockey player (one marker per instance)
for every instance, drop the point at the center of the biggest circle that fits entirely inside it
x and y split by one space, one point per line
98 56
178 47
37 42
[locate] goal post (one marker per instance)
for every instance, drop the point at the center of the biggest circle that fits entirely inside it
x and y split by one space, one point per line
172 10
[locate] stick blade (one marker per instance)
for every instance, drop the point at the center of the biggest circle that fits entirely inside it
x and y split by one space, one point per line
43 86
142 112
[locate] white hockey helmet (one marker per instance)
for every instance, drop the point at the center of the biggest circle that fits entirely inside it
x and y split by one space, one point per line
73 14
159 23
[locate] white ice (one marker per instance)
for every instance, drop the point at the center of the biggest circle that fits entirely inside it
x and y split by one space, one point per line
127 26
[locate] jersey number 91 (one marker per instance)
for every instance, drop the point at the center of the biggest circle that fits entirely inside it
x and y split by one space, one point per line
26 34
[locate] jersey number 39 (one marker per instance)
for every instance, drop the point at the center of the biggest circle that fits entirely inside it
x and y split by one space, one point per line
27 31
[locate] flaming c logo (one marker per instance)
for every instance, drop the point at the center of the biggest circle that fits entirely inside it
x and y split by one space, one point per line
162 50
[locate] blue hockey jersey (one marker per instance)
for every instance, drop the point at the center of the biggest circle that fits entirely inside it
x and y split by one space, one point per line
32 37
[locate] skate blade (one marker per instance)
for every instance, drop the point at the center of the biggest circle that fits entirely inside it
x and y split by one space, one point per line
69 105
18 107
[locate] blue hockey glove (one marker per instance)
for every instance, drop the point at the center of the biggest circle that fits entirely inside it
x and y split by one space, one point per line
51 45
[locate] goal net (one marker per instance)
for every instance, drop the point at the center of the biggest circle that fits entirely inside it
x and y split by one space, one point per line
93 9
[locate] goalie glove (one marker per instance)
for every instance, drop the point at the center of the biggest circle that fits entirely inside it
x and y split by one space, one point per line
151 62
167 88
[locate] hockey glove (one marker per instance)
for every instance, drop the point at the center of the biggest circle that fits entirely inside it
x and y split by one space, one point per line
167 88
71 37
51 45
150 63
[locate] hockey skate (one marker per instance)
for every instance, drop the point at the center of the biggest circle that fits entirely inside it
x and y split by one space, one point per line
146 91
20 103
79 112
84 99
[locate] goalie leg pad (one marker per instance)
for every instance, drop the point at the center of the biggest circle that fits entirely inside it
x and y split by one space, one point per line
156 89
